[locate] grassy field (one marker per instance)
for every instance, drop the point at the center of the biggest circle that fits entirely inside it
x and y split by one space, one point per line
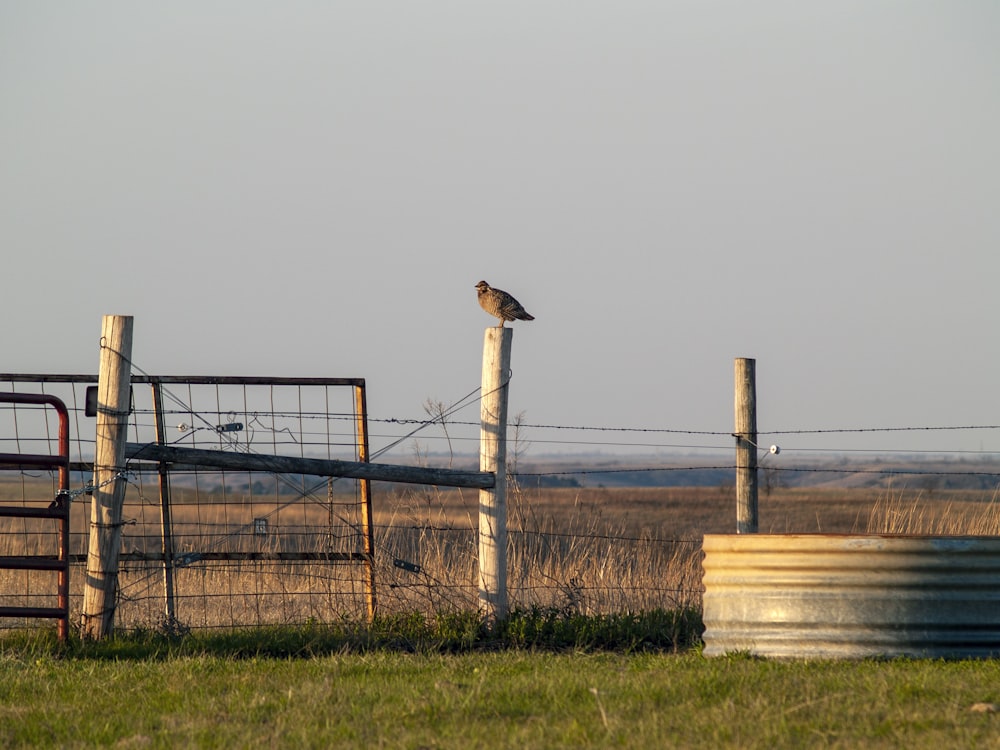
495 699
562 674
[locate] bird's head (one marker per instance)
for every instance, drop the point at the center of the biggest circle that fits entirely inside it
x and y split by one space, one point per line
482 286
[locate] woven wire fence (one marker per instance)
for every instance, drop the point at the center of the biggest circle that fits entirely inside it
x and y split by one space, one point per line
248 554
205 547
252 548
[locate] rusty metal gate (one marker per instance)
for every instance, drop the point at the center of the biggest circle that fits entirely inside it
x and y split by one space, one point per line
204 546
57 510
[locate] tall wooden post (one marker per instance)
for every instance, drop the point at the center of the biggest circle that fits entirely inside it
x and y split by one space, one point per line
746 446
113 402
493 458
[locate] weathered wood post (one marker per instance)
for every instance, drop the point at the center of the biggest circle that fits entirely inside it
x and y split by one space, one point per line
746 446
493 458
113 402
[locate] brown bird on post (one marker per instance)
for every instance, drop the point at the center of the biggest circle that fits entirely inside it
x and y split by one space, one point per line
501 304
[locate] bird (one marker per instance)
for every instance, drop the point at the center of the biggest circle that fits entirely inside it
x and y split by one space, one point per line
501 304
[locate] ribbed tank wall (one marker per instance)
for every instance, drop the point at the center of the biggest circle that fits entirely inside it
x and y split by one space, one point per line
836 596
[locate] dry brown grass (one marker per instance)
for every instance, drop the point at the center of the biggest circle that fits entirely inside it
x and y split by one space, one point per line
581 550
967 513
564 552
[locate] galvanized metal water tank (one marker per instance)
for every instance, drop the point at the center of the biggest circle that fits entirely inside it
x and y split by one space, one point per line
840 596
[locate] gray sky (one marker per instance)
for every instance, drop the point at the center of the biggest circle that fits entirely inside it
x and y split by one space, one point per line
314 189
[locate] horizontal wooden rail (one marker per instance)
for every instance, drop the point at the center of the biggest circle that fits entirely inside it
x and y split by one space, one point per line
314 466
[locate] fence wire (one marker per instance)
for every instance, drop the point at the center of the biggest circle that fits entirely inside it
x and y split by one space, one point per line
254 549
419 567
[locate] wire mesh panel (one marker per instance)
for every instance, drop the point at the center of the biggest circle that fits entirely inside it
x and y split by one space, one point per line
25 587
208 547
565 558
205 547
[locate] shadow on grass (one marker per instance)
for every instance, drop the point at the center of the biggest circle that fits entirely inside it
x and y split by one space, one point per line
535 629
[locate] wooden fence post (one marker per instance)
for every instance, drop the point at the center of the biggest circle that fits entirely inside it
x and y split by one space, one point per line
493 458
746 446
114 394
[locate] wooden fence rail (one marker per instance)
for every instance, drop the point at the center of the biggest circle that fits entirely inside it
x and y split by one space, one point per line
312 466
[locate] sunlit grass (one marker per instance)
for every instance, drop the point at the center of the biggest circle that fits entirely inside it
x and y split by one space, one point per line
903 512
497 699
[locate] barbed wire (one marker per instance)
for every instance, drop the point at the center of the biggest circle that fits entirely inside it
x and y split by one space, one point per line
443 419
184 408
205 417
430 585
725 433
770 467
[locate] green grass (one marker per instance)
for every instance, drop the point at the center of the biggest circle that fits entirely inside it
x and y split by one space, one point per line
546 680
496 699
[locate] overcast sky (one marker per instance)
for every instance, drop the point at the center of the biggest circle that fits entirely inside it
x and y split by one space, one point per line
314 188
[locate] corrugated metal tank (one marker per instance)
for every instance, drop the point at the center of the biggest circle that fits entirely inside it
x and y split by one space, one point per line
840 596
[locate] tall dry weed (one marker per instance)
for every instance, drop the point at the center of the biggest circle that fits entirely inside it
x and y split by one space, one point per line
896 512
570 557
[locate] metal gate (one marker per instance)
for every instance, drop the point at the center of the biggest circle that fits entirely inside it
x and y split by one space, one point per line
57 510
204 546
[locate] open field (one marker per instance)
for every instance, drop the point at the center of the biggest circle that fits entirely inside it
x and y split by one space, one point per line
506 699
537 689
688 513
